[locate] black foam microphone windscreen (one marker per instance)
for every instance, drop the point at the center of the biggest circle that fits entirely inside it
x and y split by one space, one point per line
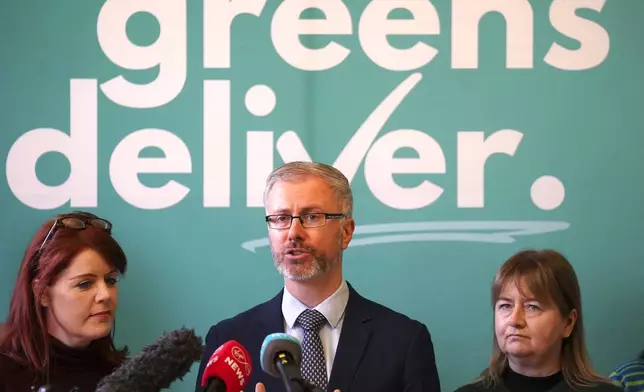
157 365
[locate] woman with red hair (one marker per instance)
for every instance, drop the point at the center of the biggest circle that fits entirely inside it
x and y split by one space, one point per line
59 330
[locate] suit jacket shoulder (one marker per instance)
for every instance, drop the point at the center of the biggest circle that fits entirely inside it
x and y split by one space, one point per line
246 318
388 317
382 350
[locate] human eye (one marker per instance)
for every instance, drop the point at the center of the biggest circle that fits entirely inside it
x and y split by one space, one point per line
111 280
85 284
275 219
313 217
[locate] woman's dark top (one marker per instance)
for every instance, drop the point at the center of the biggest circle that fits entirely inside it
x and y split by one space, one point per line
518 382
515 382
69 368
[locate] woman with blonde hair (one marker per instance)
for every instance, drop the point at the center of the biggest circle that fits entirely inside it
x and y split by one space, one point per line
539 333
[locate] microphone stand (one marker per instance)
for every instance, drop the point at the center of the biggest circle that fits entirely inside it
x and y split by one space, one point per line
290 375
304 386
309 387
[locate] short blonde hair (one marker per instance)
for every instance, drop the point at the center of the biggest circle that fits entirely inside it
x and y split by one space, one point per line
294 171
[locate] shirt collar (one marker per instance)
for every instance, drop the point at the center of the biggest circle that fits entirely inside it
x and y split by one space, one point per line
332 308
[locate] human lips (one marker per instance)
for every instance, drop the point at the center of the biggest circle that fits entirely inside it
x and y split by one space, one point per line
296 254
517 336
105 313
296 251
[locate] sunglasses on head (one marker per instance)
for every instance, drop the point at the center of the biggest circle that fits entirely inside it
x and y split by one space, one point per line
77 224
74 223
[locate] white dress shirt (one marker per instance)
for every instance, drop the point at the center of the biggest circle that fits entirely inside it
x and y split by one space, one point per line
332 308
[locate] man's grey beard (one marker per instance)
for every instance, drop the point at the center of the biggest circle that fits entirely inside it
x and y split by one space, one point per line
319 266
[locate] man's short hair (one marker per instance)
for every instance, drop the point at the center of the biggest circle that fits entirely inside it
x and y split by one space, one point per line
294 171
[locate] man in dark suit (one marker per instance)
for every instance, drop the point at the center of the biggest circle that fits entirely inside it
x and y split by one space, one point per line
349 342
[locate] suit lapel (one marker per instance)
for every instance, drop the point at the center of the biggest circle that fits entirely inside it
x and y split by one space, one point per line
355 335
271 319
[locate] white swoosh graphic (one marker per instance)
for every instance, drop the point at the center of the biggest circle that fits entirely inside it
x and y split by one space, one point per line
291 149
501 232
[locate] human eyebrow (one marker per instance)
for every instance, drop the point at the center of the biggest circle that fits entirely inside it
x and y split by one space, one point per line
281 211
90 275
311 208
82 276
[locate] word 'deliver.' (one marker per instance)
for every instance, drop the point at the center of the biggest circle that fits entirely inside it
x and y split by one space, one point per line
370 143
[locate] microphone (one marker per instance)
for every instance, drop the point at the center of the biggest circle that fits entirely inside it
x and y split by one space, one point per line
281 355
157 365
228 369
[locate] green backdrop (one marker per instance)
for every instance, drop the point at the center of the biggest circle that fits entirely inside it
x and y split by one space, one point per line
469 129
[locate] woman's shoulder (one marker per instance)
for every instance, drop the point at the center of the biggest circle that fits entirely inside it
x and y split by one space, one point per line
606 386
469 388
9 368
8 364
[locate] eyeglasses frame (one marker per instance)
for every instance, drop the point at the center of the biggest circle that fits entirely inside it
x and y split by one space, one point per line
327 216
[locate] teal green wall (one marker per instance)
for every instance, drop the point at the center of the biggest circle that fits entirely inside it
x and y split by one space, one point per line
562 100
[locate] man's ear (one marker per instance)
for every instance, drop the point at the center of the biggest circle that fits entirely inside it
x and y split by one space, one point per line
43 300
348 227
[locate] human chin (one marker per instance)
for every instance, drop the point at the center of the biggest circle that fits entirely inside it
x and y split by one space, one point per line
95 331
101 319
299 272
517 348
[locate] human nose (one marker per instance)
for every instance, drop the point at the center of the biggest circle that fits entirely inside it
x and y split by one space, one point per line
517 318
103 292
296 231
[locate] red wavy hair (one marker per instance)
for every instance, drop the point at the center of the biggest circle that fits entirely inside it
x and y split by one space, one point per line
26 339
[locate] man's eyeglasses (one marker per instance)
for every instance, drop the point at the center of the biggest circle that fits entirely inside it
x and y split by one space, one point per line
76 224
283 221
